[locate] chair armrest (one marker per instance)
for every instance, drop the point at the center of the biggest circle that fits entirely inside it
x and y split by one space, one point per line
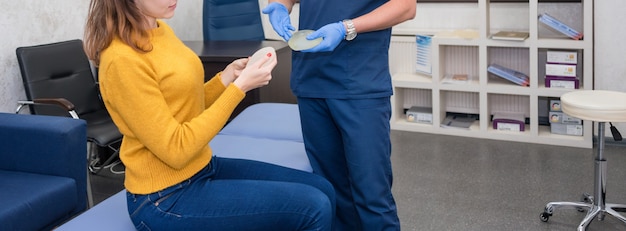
62 102
49 145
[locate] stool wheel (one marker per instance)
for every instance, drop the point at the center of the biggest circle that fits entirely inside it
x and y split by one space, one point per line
545 216
547 213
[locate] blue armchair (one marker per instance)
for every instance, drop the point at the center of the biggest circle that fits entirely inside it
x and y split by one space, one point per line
232 20
43 174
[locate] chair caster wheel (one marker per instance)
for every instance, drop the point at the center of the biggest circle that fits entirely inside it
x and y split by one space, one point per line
544 216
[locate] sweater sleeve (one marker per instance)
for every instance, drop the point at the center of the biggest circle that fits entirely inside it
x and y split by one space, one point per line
213 89
141 111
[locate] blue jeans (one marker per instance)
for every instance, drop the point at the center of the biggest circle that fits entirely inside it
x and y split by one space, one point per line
234 194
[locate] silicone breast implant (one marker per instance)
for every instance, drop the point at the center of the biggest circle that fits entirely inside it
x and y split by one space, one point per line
299 42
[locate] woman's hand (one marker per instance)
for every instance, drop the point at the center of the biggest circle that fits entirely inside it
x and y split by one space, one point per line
233 70
257 74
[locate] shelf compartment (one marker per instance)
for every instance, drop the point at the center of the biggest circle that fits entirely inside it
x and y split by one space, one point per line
509 103
415 97
571 14
459 102
403 55
515 58
541 69
406 98
547 105
458 60
505 17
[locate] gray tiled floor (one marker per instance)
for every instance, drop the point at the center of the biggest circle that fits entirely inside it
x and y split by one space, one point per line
452 183
456 183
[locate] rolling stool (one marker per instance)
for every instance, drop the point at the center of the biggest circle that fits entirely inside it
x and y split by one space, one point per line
600 106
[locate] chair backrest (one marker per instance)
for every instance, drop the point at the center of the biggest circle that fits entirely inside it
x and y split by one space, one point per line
59 70
232 20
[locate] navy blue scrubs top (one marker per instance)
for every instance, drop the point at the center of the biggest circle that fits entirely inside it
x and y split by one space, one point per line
356 69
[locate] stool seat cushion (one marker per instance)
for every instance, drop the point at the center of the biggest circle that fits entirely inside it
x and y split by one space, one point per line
595 105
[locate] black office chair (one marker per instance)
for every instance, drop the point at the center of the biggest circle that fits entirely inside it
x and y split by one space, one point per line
59 81
232 20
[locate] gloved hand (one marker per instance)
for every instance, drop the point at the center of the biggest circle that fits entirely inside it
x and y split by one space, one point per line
279 18
331 33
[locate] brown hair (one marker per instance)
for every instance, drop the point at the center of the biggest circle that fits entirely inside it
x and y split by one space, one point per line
108 19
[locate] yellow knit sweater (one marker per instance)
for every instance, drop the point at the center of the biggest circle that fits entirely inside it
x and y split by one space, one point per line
164 110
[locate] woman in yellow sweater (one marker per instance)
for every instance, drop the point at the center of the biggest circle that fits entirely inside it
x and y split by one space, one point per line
152 85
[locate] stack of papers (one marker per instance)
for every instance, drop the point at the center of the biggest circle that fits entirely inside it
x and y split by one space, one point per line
510 35
455 121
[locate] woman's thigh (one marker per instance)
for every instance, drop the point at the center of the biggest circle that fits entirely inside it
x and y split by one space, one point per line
247 200
226 168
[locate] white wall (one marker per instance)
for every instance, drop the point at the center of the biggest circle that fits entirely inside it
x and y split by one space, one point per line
610 47
30 22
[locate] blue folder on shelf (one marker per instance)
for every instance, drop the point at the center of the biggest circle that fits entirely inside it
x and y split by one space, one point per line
560 26
514 76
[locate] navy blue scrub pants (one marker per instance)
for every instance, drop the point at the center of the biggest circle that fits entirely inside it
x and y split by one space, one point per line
348 143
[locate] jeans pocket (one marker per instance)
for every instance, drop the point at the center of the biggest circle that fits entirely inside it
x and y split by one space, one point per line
166 203
136 203
152 210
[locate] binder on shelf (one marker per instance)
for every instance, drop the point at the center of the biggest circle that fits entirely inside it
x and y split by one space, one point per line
511 75
562 57
562 82
423 63
561 123
509 122
510 35
555 105
560 26
563 70
561 117
566 129
419 115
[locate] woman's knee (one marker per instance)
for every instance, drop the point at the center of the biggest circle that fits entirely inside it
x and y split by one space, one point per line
323 210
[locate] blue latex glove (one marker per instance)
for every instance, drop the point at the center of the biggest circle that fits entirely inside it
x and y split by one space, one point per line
279 18
331 33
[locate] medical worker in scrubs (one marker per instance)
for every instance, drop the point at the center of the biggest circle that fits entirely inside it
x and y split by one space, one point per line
343 87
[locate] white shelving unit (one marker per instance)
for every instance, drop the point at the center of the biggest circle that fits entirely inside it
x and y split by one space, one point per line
486 94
